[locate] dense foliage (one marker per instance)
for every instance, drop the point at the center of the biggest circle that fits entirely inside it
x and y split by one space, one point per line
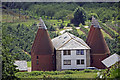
24 34
79 16
104 11
8 67
113 72
19 36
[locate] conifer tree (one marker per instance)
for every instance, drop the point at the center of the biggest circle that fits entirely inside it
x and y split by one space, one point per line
79 16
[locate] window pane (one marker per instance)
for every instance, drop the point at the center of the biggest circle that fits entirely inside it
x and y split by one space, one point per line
64 52
69 52
78 62
82 52
77 52
37 62
82 61
67 62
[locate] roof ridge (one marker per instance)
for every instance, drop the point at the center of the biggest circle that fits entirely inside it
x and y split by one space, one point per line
41 24
69 34
81 43
64 43
95 22
77 40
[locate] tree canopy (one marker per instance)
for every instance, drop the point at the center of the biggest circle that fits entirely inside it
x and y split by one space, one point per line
79 16
8 67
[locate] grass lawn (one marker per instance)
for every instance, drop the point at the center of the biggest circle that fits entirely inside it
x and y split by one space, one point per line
29 64
77 75
58 74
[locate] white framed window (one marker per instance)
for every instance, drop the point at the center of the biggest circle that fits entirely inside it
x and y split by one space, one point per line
67 62
80 62
80 52
66 52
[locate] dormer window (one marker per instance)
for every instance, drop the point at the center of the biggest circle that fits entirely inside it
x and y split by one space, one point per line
65 37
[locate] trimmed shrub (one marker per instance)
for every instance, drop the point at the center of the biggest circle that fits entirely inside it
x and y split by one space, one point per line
69 72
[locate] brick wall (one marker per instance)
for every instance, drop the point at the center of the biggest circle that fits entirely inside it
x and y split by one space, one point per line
45 62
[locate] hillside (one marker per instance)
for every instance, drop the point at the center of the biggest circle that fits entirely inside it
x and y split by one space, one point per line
20 23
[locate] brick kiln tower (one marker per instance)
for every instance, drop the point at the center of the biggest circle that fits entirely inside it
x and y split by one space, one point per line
97 43
42 52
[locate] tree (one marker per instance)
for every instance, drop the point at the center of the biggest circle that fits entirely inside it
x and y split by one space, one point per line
79 16
61 26
62 14
8 67
92 14
52 28
112 72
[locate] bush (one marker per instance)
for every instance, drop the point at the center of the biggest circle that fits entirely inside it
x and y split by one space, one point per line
66 76
69 72
115 73
87 70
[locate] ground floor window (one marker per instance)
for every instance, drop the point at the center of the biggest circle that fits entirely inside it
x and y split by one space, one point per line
80 61
67 62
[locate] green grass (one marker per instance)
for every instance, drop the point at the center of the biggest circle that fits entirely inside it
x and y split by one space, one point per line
77 75
29 64
58 74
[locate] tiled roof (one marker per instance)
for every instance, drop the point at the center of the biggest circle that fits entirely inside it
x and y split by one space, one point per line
96 40
69 41
22 65
111 60
42 43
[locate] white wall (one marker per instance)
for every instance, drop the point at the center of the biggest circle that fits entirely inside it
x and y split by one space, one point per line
73 57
